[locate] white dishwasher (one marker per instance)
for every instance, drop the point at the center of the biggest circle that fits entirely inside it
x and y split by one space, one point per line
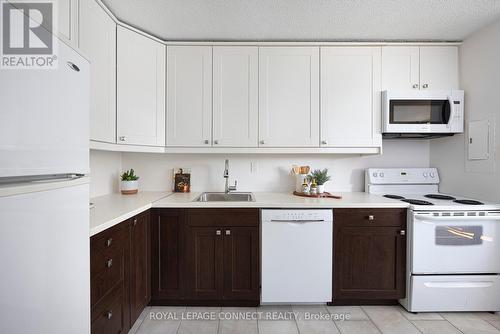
297 256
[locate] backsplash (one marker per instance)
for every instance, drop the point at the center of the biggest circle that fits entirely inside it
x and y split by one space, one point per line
271 172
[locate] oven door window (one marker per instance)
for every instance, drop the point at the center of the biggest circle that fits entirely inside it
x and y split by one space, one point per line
419 111
459 235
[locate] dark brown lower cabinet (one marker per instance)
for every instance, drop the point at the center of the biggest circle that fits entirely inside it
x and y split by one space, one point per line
140 267
120 275
369 255
167 255
206 257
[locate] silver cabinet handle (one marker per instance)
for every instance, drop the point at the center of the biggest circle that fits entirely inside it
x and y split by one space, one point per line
371 218
122 138
324 142
73 66
109 242
206 142
216 142
415 85
262 142
109 263
425 86
402 232
218 232
135 221
109 315
228 232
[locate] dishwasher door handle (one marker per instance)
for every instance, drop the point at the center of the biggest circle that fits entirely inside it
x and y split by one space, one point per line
297 221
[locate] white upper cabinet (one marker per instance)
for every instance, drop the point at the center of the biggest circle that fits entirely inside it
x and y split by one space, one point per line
439 67
98 42
289 96
350 96
67 21
189 96
235 96
400 67
419 67
140 89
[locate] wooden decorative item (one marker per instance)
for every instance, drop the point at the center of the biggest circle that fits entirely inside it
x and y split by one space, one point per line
322 195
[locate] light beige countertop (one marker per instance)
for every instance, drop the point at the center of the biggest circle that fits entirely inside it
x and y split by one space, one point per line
112 209
284 200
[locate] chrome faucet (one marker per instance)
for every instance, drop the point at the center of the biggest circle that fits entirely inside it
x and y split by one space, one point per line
228 188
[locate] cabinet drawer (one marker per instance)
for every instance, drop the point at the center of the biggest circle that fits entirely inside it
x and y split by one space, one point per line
369 217
223 217
109 241
109 315
107 273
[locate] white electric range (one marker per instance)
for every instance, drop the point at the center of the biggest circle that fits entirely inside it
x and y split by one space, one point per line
453 245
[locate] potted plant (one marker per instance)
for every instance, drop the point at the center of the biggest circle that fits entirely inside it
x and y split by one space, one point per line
321 177
129 183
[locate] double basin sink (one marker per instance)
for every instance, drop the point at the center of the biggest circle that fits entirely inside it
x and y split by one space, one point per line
225 197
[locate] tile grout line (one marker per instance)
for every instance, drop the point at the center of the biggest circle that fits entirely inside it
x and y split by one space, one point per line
370 319
453 325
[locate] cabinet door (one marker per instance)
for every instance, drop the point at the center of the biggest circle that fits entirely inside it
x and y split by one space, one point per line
289 96
369 263
98 42
350 96
235 96
400 67
241 263
189 96
67 14
439 67
167 255
140 89
204 263
140 272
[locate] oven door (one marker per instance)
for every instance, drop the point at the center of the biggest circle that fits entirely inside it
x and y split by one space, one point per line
454 244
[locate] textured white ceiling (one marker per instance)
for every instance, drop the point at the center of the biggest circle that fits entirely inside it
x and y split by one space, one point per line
307 19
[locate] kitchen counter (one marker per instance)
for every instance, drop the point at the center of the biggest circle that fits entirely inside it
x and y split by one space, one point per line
112 209
284 200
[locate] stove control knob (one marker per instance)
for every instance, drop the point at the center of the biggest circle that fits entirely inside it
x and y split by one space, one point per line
425 174
381 174
375 174
432 175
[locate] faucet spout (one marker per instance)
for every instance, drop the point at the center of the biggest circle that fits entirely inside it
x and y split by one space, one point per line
228 188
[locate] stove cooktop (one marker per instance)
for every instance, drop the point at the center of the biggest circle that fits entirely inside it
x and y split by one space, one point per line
416 201
443 201
440 196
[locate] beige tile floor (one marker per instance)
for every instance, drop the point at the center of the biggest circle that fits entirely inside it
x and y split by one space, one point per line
361 320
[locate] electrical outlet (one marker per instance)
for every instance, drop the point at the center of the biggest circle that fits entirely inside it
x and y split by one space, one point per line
254 167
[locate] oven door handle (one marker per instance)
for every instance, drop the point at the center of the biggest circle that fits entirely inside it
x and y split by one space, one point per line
456 218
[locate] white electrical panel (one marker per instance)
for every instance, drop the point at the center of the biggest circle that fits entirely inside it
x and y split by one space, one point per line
478 141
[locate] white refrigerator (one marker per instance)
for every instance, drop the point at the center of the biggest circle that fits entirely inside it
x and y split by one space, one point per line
44 198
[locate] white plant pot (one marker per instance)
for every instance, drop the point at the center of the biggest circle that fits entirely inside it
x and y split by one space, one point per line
129 187
321 188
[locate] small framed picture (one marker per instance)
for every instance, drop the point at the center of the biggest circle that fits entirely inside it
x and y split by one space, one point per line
182 180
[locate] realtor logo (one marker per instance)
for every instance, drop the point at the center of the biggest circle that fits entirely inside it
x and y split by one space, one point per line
27 41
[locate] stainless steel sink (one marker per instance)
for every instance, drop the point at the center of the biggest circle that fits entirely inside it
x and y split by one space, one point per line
223 197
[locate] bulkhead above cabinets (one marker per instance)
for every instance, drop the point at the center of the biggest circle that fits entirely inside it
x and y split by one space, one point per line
149 95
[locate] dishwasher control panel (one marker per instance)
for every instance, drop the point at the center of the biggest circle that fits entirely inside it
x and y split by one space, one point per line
297 215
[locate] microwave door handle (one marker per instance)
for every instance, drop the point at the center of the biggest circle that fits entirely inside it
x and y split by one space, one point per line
456 218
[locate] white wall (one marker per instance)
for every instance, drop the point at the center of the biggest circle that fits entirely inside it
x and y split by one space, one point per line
105 168
273 171
480 78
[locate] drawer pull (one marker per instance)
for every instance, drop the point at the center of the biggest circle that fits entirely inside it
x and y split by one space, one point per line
218 232
109 315
402 232
109 263
109 242
135 221
228 232
371 218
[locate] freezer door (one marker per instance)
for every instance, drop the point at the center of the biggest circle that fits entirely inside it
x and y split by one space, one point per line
45 275
44 118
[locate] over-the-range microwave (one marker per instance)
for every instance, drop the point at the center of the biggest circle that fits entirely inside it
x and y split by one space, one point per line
422 114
